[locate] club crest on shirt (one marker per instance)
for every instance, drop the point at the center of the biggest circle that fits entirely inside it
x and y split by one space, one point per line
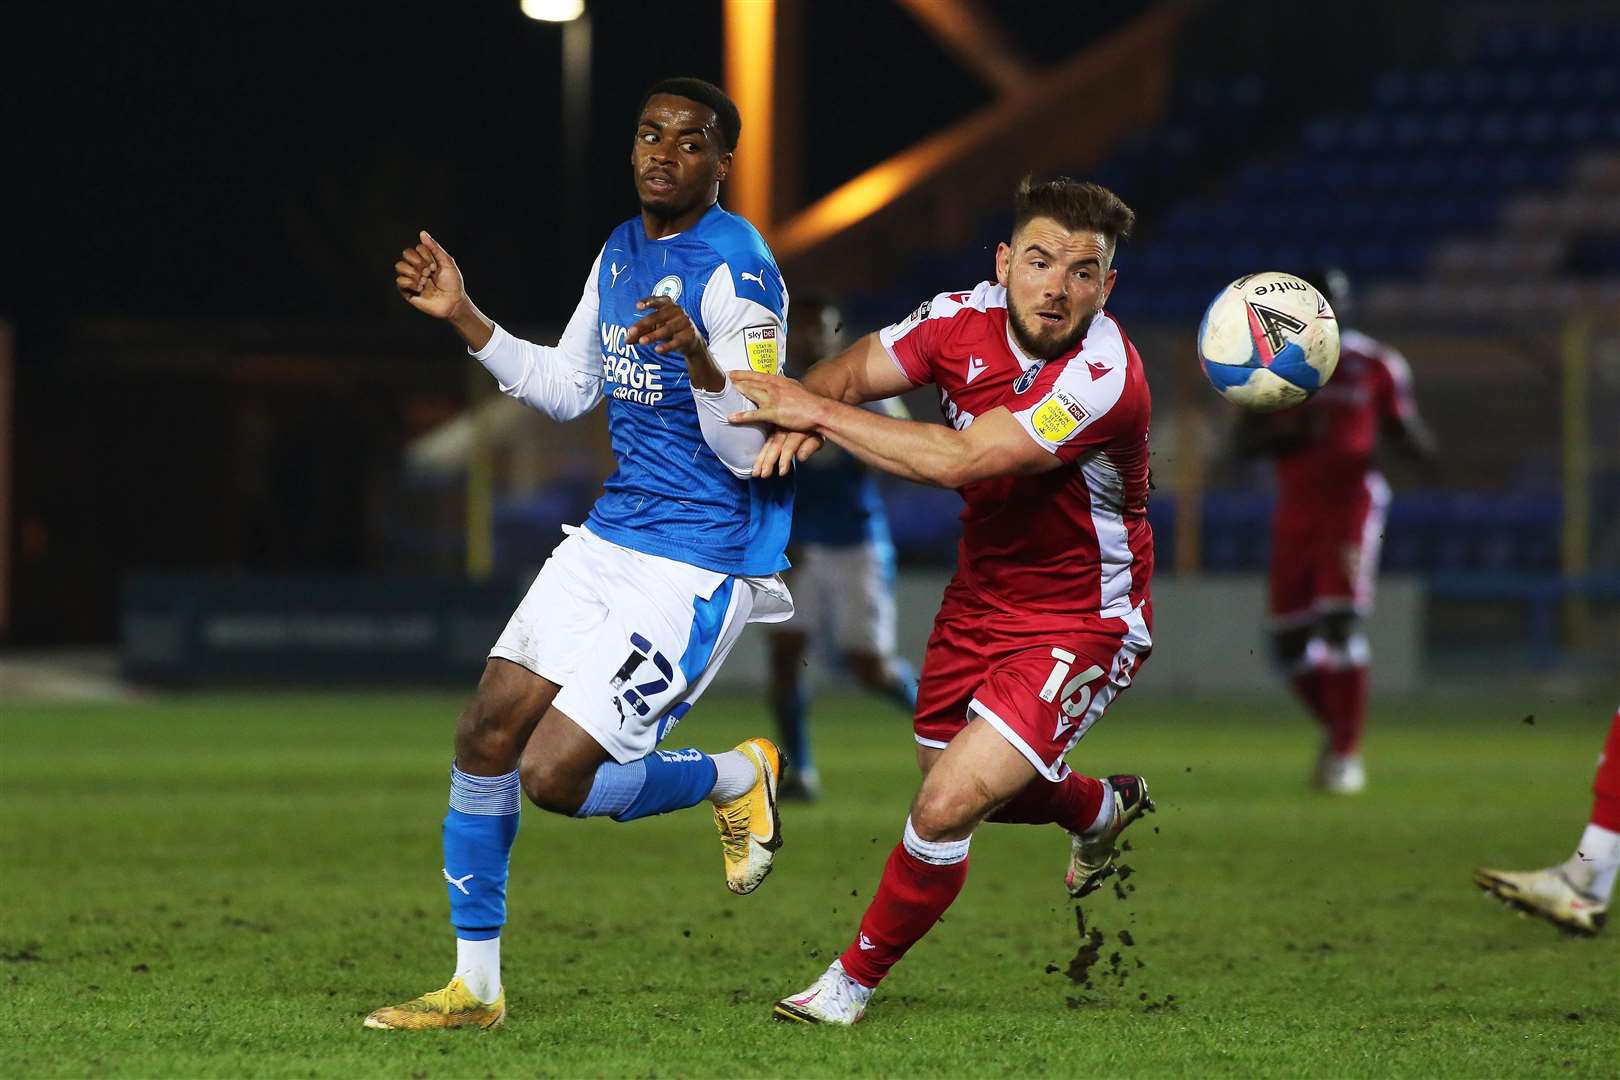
1027 379
669 285
1058 416
763 345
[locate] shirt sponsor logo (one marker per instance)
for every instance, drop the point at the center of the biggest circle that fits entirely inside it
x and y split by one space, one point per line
1058 416
633 378
764 347
669 285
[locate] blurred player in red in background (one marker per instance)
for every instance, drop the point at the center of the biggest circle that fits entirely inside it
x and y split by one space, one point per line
1574 894
1047 618
1328 527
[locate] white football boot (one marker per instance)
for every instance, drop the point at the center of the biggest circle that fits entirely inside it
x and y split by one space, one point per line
1091 858
835 998
1546 894
1339 774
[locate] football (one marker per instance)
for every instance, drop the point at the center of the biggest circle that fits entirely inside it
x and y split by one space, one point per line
1268 341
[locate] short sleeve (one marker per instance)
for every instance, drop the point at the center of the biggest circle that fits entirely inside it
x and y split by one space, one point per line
913 342
1085 405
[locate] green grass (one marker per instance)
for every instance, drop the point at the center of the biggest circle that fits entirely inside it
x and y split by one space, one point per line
225 885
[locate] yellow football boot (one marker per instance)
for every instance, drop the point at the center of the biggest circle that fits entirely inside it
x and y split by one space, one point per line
750 827
453 1007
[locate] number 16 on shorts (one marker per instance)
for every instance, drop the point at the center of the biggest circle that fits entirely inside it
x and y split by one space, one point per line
1071 692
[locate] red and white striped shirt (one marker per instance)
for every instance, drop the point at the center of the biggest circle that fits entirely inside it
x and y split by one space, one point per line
1372 387
1072 540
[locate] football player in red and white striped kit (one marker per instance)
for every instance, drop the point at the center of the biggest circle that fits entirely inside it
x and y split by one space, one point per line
1329 527
1047 619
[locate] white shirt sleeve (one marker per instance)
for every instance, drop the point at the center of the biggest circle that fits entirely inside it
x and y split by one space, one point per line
742 335
563 380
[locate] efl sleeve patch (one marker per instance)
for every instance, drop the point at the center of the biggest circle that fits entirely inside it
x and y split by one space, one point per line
1058 416
764 347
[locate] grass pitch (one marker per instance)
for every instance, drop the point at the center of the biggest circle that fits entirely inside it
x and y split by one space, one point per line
225 885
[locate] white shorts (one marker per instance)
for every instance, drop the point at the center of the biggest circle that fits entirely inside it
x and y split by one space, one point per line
846 593
633 639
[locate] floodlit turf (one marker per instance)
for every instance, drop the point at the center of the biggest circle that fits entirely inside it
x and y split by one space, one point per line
225 885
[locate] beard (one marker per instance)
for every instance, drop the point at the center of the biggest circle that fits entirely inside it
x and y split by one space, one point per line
1042 343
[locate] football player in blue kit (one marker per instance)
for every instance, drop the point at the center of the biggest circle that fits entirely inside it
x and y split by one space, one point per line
636 608
843 574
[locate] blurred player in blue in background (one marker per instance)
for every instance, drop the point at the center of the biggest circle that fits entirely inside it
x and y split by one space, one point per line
843 581
634 611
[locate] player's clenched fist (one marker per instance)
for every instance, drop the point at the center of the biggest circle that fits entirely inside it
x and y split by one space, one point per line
666 326
669 329
429 280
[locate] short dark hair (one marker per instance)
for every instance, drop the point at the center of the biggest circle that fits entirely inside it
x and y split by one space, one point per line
1074 204
704 93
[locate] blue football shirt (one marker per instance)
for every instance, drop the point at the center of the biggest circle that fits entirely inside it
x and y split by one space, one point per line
670 495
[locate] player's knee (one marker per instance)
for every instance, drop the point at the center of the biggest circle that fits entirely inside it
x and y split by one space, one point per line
943 813
1288 647
484 736
490 730
551 786
786 652
1337 629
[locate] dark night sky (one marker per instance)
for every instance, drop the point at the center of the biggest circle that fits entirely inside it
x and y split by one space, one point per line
185 160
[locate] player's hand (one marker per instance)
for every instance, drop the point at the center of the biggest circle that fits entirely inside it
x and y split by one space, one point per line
667 328
782 449
429 279
778 400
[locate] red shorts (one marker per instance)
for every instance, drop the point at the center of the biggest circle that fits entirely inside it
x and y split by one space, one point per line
1324 556
1042 680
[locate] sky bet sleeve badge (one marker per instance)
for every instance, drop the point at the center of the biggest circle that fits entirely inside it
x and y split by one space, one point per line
1058 417
764 344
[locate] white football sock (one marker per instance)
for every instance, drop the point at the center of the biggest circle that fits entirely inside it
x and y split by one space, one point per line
734 775
1105 812
478 965
1592 867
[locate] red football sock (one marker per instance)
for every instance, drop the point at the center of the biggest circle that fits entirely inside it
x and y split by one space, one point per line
1072 803
1344 706
912 896
1307 684
1606 788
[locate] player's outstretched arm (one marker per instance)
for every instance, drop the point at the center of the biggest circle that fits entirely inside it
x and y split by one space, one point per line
431 282
861 373
562 381
995 444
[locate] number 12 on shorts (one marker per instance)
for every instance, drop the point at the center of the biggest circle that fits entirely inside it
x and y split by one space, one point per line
1074 697
642 651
